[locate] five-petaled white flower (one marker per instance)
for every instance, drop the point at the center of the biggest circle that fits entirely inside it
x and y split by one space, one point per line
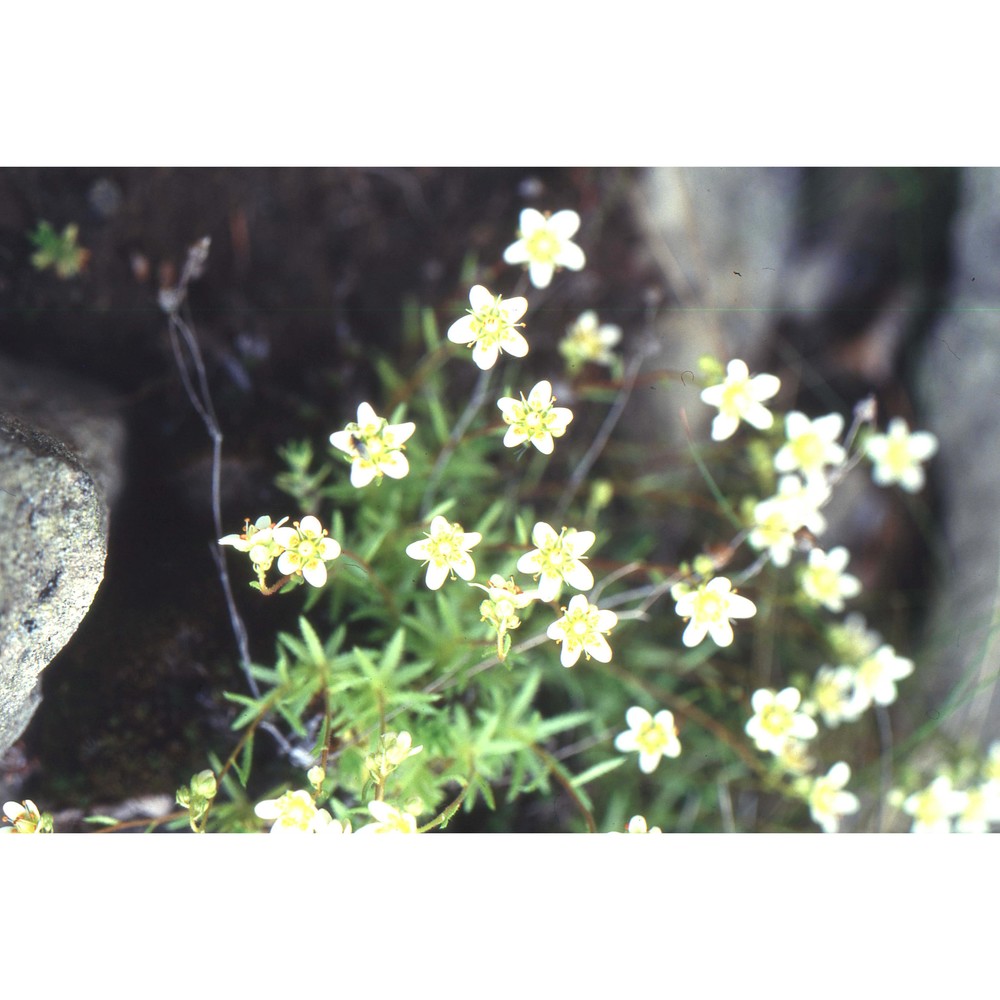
827 799
776 720
374 445
777 519
558 558
258 540
654 736
740 397
490 327
581 630
296 812
709 609
933 807
875 678
389 819
445 550
24 817
811 446
832 696
544 244
587 341
897 455
824 580
307 549
534 420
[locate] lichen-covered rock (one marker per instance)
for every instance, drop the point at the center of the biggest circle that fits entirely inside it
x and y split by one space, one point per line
59 453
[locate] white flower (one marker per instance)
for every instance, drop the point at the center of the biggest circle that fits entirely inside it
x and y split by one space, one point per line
389 819
258 540
654 736
776 720
932 808
307 549
296 812
637 824
581 630
710 608
491 327
833 696
982 807
740 397
445 550
824 580
827 799
25 817
875 678
558 558
588 342
534 420
897 455
544 244
775 525
812 445
778 518
375 447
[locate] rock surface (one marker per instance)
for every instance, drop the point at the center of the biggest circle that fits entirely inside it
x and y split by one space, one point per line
958 378
59 460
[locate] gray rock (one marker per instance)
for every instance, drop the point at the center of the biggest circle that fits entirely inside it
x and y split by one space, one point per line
959 381
60 444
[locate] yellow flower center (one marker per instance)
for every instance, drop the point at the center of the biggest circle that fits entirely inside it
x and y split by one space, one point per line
774 528
776 719
652 737
929 808
735 398
709 607
824 797
296 809
543 246
808 450
829 696
897 455
825 582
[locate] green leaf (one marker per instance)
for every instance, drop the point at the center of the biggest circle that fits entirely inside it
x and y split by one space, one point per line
242 765
252 710
429 328
317 654
550 727
604 767
390 378
393 652
523 699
